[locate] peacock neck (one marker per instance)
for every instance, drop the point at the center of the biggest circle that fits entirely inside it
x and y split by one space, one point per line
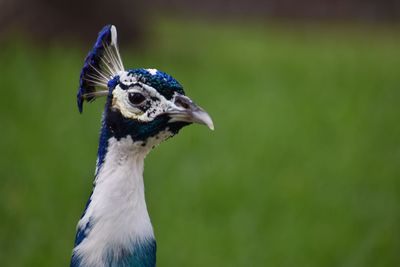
115 229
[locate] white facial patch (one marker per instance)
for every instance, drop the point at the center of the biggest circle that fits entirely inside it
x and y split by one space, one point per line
126 79
154 105
152 71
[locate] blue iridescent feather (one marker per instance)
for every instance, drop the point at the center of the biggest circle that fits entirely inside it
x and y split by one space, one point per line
142 254
92 60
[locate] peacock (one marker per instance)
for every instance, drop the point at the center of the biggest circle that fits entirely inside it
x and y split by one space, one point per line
143 107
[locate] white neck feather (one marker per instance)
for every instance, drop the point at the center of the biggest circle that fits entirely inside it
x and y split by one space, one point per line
117 213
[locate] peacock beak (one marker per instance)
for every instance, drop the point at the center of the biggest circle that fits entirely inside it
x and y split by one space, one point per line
184 109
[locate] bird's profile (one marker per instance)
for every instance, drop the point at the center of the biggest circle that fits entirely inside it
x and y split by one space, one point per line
143 108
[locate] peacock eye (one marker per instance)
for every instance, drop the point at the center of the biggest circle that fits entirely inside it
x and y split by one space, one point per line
136 98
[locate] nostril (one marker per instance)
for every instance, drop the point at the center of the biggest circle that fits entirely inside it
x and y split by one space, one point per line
182 103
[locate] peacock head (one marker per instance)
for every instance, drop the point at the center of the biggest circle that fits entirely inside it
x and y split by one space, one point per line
141 103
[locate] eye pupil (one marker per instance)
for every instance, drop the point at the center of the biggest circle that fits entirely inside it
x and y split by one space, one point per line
136 98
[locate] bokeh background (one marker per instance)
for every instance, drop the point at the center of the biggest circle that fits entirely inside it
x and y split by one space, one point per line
302 169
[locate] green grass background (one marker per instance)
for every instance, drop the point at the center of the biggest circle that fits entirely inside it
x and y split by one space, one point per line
302 169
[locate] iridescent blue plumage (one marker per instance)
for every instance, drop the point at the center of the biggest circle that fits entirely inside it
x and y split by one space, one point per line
91 75
164 83
144 255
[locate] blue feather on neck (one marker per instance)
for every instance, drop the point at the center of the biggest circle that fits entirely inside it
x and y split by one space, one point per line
140 255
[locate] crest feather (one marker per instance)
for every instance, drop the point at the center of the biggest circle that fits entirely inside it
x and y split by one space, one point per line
101 65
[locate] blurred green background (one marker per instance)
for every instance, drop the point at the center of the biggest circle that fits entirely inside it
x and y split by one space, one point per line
302 169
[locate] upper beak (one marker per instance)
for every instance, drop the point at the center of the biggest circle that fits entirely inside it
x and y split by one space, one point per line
186 110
